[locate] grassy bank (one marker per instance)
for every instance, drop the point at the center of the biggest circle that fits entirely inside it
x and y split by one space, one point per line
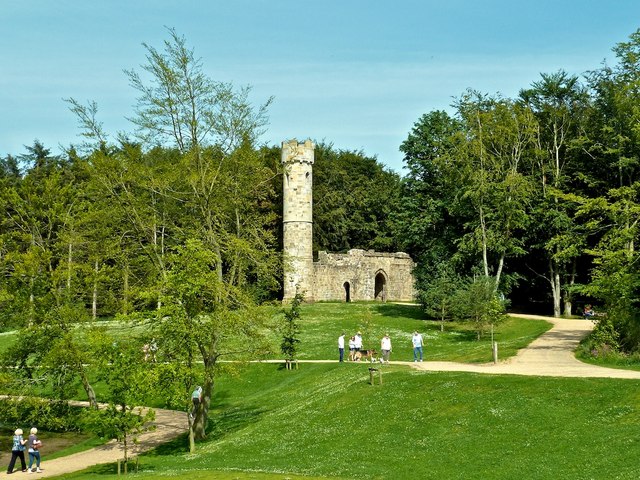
322 323
327 421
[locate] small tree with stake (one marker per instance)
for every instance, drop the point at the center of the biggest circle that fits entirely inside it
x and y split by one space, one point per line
291 330
126 380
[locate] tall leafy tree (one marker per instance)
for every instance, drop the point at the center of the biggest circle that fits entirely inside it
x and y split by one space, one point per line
355 199
493 161
559 103
221 230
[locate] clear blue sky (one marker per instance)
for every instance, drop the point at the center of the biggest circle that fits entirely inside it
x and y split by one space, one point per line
353 73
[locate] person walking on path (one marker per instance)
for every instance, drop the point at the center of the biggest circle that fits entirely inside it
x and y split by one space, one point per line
417 342
385 346
196 398
34 451
17 451
341 347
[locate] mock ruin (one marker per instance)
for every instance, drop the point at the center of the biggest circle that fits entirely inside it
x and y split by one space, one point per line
353 276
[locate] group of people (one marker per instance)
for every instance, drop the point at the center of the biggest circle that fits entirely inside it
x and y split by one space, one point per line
32 445
355 346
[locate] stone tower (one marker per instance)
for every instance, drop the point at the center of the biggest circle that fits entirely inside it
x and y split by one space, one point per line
297 159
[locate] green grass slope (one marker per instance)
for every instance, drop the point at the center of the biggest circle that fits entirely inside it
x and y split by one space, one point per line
322 323
326 421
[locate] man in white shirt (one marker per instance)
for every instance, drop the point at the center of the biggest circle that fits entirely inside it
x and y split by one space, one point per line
416 340
385 346
341 346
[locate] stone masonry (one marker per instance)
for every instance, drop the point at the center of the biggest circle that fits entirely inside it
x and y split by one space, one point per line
364 275
356 275
297 159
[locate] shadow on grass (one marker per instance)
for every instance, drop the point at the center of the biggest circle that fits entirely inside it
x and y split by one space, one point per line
413 312
229 421
232 420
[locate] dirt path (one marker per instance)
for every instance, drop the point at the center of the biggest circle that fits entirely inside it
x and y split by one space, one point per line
169 424
549 355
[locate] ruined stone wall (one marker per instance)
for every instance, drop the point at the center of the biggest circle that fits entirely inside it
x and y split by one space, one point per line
359 269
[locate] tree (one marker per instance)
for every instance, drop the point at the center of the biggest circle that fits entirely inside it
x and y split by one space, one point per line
437 293
291 330
430 217
56 350
492 163
208 319
478 303
182 104
354 201
559 103
118 361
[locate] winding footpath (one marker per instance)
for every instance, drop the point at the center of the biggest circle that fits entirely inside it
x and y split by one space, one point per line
551 354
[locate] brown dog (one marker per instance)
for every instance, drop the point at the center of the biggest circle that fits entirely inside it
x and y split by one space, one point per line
365 355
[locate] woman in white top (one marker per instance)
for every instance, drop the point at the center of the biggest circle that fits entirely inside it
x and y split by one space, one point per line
352 348
385 346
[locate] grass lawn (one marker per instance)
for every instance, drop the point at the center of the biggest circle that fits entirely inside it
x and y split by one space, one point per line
326 421
322 323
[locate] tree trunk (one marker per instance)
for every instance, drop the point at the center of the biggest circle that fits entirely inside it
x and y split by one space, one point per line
499 273
94 302
202 416
192 440
568 306
485 260
91 394
69 262
125 289
32 302
554 279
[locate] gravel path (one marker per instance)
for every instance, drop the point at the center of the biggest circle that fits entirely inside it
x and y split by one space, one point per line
549 355
169 424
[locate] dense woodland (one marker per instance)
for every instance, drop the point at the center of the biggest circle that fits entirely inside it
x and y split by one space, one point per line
529 202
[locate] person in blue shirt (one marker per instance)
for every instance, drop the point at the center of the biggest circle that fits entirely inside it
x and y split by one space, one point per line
417 342
34 452
17 451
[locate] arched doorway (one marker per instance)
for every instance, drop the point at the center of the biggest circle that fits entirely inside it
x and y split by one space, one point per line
347 292
380 292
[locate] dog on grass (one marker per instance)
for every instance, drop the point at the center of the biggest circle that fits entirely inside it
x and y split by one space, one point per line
365 356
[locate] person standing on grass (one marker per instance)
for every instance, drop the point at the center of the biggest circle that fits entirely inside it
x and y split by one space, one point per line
352 348
341 346
417 342
385 346
358 341
17 451
196 398
34 450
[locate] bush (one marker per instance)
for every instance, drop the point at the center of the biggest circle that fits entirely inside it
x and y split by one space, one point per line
44 414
